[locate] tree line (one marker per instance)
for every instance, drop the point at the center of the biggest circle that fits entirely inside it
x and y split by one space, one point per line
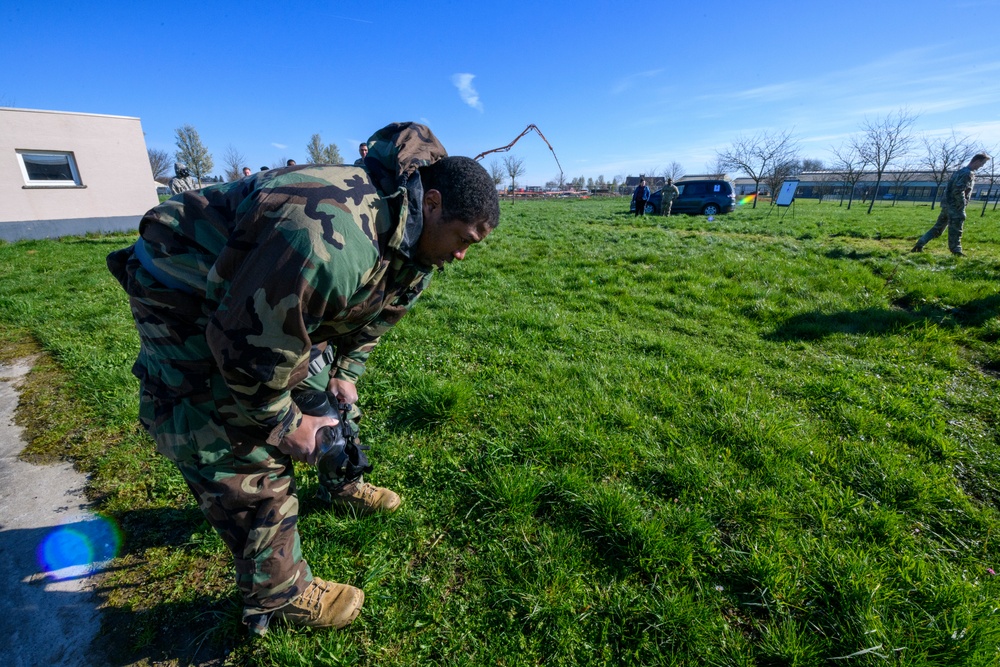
193 153
881 143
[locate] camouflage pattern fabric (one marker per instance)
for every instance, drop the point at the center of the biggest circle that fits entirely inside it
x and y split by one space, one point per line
231 287
952 215
247 493
670 193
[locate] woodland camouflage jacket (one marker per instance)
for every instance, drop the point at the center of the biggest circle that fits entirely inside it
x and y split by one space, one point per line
242 279
956 194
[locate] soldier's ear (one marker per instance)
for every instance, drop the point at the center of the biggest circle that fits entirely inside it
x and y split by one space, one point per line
432 200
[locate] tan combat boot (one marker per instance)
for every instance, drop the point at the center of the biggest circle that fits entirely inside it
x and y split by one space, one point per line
364 498
324 604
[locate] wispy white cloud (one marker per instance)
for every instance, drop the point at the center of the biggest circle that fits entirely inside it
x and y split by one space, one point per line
463 82
631 80
777 91
280 146
348 18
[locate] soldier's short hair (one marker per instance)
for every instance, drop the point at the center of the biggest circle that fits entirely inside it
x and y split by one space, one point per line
981 156
468 192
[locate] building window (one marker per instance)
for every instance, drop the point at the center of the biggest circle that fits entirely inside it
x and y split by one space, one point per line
52 169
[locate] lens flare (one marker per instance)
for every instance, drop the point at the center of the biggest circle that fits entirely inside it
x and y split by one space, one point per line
746 200
74 549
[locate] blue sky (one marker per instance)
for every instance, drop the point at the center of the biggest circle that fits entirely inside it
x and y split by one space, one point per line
618 89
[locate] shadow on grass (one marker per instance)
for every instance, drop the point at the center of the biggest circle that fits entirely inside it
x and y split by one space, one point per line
880 321
840 253
202 631
171 527
142 619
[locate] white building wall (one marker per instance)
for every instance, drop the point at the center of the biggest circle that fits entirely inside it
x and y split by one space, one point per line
110 154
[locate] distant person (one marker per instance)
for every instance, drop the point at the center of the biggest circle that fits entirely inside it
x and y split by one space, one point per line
290 163
363 150
182 181
246 171
953 203
670 193
640 197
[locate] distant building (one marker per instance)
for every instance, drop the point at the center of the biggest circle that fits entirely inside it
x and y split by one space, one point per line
902 185
744 185
64 174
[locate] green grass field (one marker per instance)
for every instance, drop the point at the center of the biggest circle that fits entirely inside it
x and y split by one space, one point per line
767 439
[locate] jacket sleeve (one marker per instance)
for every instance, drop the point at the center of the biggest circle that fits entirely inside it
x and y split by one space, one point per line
353 351
271 295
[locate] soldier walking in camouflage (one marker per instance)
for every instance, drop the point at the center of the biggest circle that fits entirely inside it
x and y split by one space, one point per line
242 291
956 198
669 194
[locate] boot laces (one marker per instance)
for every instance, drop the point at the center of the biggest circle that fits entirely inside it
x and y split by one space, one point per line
313 593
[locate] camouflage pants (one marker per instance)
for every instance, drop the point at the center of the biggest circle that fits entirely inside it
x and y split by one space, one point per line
246 491
244 487
666 206
952 218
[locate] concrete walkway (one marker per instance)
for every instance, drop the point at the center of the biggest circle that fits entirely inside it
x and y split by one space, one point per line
49 618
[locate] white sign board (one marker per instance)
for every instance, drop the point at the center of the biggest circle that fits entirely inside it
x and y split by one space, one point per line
787 193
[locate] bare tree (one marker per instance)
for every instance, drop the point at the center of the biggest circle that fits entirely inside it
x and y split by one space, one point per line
717 169
757 155
812 164
497 172
674 170
233 161
943 156
159 162
515 168
903 175
320 153
884 140
850 167
193 153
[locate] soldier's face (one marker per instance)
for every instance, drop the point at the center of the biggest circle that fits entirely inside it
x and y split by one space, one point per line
442 242
976 164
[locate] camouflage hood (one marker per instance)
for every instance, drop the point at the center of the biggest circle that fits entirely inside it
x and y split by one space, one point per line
394 154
